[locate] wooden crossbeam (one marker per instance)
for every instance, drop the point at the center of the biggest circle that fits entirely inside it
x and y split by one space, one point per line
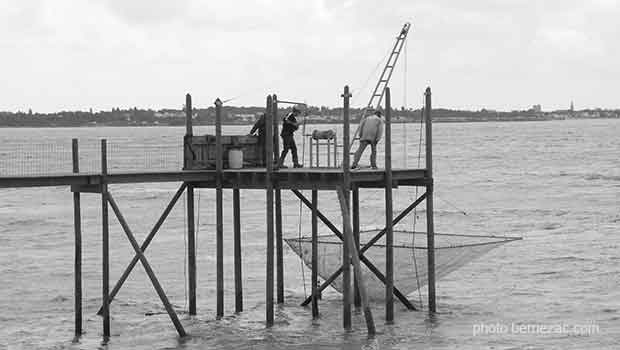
145 244
147 266
363 259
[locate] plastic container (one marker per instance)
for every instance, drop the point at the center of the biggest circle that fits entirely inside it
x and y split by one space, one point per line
235 158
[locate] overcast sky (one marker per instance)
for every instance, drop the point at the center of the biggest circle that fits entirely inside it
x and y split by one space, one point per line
499 54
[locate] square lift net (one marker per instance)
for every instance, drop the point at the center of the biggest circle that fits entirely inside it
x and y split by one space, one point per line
452 251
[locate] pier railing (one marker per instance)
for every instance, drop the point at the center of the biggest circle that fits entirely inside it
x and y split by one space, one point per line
52 158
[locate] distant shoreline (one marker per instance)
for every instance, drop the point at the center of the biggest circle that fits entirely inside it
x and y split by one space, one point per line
313 122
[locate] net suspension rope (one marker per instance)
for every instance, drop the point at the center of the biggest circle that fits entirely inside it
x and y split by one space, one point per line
299 235
415 216
185 242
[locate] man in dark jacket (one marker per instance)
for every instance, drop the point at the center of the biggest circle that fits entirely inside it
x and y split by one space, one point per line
289 126
259 126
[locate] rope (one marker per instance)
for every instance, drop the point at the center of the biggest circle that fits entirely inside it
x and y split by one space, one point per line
196 229
374 71
406 144
185 241
303 161
452 205
415 218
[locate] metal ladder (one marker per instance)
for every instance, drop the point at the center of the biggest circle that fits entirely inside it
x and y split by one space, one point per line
379 91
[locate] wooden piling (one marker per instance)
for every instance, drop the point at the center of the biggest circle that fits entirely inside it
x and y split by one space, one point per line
269 210
315 254
389 233
430 229
219 236
237 249
348 241
187 139
279 240
346 253
105 246
77 227
188 115
356 238
276 123
191 250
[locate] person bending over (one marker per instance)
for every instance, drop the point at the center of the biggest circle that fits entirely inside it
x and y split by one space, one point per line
371 131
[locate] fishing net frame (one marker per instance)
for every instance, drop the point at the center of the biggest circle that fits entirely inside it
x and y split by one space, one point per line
452 251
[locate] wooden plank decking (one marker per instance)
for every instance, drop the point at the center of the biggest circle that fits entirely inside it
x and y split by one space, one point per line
247 178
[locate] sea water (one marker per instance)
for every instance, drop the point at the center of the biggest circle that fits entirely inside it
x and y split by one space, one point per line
554 183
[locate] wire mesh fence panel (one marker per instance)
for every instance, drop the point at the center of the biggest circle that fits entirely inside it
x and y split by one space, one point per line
125 157
55 158
30 159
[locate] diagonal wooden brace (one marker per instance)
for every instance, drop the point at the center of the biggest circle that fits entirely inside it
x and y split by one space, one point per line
363 259
147 267
400 216
145 245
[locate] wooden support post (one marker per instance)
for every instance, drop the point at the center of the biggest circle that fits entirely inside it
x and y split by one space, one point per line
356 238
315 254
191 250
348 241
279 240
269 200
77 227
219 236
276 134
279 250
237 249
188 115
105 246
187 140
147 241
389 233
346 253
147 266
430 229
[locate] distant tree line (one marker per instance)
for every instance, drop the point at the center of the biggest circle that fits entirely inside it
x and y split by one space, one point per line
247 115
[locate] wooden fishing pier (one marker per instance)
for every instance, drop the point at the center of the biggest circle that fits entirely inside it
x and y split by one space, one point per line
199 172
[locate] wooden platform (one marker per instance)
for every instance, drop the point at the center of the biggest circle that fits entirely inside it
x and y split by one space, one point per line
247 178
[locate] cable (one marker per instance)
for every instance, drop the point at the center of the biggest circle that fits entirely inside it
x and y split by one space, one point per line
406 144
415 217
452 205
354 91
185 241
196 229
303 161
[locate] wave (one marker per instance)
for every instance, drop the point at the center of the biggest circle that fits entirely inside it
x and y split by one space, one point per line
604 177
564 259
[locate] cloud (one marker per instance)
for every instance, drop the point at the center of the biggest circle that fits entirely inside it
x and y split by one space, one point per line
479 53
147 11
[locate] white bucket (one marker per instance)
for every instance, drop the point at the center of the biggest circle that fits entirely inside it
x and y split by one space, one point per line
235 158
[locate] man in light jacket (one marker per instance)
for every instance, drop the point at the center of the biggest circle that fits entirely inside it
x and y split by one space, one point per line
371 131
